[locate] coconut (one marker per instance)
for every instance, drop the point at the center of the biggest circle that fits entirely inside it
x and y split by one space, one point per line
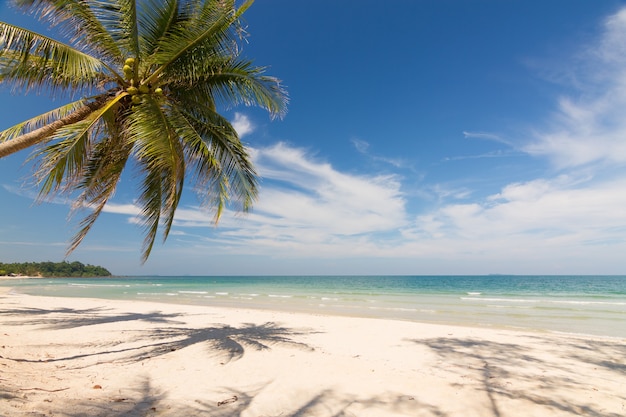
132 90
130 62
144 89
158 91
136 99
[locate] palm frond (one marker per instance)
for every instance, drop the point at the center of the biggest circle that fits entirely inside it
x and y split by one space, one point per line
150 199
85 23
85 226
222 165
208 30
113 149
162 162
31 60
61 164
210 182
101 175
156 18
127 29
243 83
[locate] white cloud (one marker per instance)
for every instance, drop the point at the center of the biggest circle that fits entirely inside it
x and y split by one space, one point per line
591 128
306 207
538 218
310 195
242 125
128 209
613 47
309 209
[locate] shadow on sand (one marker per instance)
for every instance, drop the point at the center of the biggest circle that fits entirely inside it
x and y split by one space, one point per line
141 398
69 318
503 366
229 343
326 403
503 372
224 340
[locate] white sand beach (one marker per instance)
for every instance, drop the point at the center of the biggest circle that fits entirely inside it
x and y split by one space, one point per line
84 357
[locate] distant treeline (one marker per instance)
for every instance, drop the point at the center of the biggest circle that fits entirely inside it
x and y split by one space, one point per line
53 269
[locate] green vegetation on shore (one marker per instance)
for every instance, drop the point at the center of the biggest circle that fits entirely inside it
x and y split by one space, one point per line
53 269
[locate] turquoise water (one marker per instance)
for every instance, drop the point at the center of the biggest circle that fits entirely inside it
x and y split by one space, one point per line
593 305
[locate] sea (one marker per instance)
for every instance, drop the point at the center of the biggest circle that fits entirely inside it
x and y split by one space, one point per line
585 305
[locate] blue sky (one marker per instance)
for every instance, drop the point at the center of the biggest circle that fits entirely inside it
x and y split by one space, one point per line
422 137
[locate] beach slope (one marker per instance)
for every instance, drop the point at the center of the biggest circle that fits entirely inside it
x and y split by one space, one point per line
83 357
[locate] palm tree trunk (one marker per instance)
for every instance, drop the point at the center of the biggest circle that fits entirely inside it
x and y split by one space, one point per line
38 135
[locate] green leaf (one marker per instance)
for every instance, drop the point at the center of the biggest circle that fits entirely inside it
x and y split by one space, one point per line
29 60
84 23
61 163
162 162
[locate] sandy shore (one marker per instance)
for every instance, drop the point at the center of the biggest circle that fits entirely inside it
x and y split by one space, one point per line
83 357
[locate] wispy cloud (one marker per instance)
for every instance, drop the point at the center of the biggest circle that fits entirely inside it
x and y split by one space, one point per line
546 217
486 136
570 217
492 154
128 209
32 243
20 191
363 147
444 192
306 207
546 220
510 150
314 195
590 128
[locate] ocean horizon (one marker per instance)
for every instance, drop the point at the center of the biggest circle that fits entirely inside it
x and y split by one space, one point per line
574 304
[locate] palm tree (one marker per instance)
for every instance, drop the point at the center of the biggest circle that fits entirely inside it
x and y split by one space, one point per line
150 75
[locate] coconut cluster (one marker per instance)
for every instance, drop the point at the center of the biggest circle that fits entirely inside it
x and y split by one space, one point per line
136 92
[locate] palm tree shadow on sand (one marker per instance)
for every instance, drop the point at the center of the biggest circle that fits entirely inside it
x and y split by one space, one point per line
69 318
165 335
499 368
227 341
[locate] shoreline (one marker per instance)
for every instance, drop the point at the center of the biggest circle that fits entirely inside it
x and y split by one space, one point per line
489 312
327 314
97 357
10 277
